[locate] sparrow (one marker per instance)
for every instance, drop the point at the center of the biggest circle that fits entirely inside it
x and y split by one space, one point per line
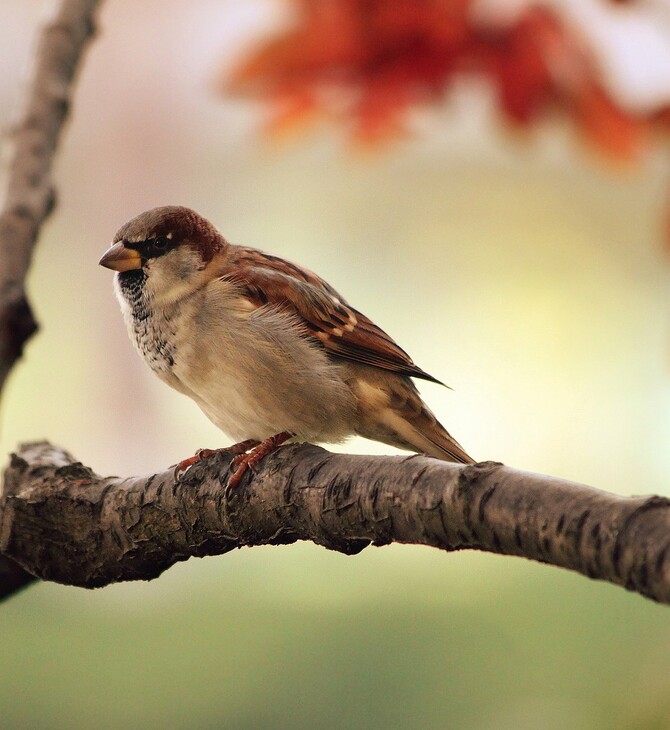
268 350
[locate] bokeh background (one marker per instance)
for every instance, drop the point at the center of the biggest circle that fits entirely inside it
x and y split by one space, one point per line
526 274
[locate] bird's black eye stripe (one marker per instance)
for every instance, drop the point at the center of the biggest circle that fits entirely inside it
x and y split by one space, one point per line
151 247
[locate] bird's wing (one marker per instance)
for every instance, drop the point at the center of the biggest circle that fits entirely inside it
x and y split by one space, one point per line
341 329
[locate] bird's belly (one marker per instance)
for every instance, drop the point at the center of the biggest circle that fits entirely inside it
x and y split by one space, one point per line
240 415
261 383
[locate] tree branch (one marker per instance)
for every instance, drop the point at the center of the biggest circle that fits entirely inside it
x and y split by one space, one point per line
62 522
30 194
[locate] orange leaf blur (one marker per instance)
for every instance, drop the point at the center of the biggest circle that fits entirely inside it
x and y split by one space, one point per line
370 61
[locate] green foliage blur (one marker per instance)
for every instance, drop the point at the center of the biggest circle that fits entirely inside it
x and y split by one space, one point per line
523 273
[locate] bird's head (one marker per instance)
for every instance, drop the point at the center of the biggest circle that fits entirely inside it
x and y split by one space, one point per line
165 251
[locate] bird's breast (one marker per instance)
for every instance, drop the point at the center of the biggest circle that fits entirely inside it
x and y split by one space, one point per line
152 331
254 374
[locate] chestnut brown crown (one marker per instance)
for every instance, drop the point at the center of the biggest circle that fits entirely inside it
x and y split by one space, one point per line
168 227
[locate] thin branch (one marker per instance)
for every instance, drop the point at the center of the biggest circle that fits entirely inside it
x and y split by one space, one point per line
62 522
30 194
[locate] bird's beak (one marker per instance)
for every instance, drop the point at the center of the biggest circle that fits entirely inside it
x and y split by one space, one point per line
120 258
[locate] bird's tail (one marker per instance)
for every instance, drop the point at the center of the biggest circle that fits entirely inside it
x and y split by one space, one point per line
406 421
432 438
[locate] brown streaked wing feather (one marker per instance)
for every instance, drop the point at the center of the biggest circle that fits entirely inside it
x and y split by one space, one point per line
341 329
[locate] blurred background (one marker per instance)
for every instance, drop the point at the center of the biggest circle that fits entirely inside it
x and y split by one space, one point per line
522 268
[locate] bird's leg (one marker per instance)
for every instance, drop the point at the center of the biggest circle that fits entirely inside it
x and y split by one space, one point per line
200 454
244 461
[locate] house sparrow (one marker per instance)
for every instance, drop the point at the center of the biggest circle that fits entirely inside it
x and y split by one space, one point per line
267 349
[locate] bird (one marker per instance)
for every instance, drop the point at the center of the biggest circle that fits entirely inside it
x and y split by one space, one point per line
268 350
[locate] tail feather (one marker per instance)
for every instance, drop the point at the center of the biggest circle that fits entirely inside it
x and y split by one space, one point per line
424 433
420 432
444 446
393 412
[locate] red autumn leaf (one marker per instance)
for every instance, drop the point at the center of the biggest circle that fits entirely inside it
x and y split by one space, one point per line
382 57
370 61
293 109
519 66
614 131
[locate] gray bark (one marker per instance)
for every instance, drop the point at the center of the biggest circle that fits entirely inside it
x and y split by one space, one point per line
62 522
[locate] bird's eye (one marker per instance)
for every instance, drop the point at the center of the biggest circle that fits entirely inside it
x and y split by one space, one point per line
160 243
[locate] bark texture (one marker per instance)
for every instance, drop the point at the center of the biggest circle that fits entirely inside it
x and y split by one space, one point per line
30 194
62 522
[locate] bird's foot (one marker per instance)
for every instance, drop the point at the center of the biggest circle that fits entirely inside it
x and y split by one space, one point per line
244 461
202 454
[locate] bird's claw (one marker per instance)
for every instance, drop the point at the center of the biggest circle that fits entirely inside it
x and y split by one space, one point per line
185 464
238 466
247 455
